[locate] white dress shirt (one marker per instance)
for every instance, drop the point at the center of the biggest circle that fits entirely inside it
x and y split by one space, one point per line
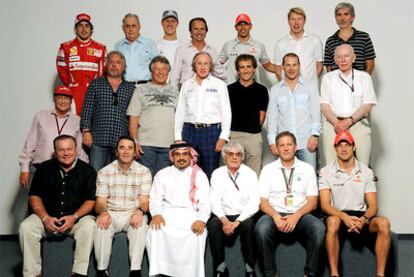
171 189
226 199
208 104
272 185
339 95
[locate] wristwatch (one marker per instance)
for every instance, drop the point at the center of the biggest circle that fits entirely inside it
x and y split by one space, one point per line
367 220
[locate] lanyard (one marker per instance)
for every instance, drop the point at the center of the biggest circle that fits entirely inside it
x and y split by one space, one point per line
234 180
350 86
59 129
288 183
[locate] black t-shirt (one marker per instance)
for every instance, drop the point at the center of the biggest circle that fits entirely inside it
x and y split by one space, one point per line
62 193
246 105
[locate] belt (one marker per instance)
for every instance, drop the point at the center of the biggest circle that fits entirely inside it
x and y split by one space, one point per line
140 82
342 118
201 125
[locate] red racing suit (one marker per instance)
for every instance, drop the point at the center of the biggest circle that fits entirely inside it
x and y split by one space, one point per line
78 63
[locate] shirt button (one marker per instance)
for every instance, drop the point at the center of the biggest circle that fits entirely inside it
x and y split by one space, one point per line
61 203
61 213
63 183
63 193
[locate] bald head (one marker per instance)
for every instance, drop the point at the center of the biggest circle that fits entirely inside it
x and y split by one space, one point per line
344 57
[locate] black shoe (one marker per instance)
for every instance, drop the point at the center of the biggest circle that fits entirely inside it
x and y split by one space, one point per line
102 273
250 274
135 273
221 273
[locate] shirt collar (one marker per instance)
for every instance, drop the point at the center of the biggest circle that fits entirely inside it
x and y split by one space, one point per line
250 41
355 170
305 34
53 111
278 163
138 40
119 169
336 35
283 82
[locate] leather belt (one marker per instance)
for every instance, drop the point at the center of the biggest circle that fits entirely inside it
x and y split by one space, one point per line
201 125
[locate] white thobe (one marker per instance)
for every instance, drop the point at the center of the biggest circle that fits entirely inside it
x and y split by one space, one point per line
175 250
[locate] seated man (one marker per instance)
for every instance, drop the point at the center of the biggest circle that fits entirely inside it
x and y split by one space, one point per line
61 196
289 193
180 208
234 202
122 190
349 198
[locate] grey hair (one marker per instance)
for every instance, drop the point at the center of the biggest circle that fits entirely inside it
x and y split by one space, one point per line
345 5
347 46
193 63
159 59
119 54
232 145
130 15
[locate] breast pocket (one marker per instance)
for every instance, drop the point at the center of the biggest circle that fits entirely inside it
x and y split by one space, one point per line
302 101
356 100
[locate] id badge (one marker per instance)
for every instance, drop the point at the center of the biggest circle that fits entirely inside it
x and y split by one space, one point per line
289 200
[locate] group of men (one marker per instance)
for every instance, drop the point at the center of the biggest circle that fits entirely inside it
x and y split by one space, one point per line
167 105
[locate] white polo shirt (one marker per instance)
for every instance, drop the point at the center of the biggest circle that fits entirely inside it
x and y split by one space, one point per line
308 48
227 199
167 48
272 185
208 103
338 94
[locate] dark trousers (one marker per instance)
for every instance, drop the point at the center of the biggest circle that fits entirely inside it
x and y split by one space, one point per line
309 230
203 140
218 240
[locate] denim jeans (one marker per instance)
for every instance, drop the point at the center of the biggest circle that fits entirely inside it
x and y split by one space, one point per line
101 156
309 230
306 156
155 158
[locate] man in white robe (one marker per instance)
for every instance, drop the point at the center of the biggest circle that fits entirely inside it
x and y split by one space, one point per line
179 205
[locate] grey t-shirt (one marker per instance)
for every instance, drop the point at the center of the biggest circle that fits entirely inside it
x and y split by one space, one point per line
347 191
155 106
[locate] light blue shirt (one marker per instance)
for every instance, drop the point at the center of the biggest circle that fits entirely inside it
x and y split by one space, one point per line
138 56
297 111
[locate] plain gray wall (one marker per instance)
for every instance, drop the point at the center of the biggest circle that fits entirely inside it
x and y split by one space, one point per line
31 32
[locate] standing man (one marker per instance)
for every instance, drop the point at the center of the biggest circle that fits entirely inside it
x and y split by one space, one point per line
104 118
307 46
151 117
122 190
234 203
349 198
360 41
138 50
39 141
62 196
182 69
203 114
80 60
180 208
347 97
167 46
243 44
248 101
289 193
294 106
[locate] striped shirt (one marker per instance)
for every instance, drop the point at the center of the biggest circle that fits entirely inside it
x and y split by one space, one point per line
123 189
360 41
104 111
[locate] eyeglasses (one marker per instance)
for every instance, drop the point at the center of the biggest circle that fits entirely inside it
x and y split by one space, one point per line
116 99
233 154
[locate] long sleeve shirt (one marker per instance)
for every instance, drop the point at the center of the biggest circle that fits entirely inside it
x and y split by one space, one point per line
45 128
171 189
227 199
208 103
297 111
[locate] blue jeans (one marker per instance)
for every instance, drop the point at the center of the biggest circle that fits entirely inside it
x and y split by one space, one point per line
101 156
309 230
306 156
155 158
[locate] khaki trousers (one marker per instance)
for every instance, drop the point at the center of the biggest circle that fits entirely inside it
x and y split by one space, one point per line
253 145
361 131
31 232
136 238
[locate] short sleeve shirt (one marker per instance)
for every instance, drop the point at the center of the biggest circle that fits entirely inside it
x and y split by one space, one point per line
347 191
155 106
360 41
